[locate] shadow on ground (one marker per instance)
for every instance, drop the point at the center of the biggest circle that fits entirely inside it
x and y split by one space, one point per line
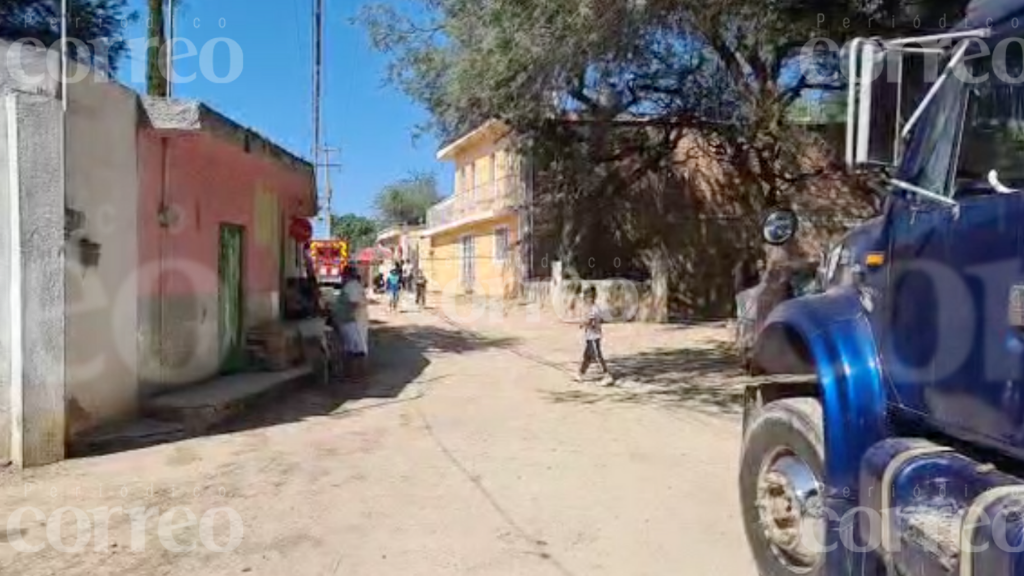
708 379
399 355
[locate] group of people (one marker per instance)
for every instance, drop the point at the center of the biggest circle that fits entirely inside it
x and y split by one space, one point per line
399 279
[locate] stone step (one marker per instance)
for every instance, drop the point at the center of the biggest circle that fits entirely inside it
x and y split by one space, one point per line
200 407
124 436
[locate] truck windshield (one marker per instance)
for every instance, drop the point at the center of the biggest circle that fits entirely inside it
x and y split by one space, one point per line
993 132
929 156
978 123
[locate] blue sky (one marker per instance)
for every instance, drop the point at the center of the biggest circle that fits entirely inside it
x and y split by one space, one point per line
373 124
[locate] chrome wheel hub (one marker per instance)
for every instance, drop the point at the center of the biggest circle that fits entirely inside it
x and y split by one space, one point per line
790 507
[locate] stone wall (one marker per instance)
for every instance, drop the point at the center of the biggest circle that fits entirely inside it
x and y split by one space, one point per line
620 299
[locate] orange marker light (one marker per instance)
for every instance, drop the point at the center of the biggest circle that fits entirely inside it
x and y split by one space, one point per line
875 259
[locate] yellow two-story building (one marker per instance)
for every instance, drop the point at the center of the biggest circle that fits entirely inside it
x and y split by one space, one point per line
471 242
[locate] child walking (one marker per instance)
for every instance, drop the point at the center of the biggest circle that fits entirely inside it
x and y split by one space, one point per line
591 326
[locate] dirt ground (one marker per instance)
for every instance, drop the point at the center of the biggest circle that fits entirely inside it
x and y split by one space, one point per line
469 451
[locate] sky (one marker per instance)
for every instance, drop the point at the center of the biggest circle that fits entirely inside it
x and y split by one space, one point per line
371 123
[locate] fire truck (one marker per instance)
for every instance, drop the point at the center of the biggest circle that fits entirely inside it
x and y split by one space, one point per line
329 259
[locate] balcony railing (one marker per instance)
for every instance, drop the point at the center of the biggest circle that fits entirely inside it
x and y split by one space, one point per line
501 194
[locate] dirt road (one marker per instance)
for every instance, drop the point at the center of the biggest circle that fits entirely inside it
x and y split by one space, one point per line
466 454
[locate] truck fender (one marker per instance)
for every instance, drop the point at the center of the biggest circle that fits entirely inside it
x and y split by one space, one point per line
829 336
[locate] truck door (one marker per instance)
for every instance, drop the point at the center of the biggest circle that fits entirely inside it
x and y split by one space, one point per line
910 323
977 369
980 378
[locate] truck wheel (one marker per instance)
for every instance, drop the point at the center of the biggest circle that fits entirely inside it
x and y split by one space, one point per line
782 489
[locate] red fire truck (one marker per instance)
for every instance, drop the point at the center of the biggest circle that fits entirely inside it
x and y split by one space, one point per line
329 259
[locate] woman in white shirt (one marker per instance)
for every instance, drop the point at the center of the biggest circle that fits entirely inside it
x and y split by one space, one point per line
356 330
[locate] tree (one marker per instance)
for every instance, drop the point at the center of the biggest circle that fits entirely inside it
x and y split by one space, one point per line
407 201
96 24
359 231
605 94
156 50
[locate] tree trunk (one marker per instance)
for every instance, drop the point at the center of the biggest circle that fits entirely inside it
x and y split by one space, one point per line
156 75
656 308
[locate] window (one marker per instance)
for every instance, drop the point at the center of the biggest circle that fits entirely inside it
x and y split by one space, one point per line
501 244
493 165
993 132
928 161
468 257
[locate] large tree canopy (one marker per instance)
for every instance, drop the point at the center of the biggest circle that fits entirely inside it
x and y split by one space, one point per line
728 61
359 231
407 201
97 24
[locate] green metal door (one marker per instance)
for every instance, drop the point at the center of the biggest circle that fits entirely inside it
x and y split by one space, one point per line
232 350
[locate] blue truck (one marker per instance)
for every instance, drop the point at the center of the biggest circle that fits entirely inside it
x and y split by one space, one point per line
899 448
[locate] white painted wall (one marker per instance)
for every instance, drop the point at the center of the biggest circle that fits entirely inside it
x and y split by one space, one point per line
102 318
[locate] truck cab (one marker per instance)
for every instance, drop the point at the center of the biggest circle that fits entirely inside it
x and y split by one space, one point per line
901 450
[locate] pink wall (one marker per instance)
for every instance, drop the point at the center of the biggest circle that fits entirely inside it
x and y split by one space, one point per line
210 182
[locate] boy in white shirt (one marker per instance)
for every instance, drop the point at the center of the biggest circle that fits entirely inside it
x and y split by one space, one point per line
591 326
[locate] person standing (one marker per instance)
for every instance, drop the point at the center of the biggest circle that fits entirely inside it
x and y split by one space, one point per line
420 279
351 321
394 288
591 326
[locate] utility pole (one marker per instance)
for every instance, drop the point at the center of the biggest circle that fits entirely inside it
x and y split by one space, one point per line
318 41
64 54
327 151
170 46
318 37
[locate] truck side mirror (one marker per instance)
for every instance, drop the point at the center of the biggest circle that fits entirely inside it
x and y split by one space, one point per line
779 227
873 103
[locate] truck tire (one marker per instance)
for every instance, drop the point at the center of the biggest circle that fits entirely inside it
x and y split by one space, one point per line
781 486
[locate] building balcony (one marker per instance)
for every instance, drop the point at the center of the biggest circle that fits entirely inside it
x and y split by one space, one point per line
394 234
480 202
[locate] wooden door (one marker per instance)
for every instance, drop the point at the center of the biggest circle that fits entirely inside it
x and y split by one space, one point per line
231 297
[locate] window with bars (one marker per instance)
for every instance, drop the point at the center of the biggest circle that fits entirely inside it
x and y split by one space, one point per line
501 244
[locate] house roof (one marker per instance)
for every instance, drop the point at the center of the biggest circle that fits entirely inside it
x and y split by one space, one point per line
491 129
162 114
179 115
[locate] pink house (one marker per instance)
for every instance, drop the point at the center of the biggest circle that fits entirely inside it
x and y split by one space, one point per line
215 202
140 265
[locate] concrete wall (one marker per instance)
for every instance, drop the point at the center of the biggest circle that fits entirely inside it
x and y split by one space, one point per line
191 183
101 191
102 185
25 68
8 334
32 333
